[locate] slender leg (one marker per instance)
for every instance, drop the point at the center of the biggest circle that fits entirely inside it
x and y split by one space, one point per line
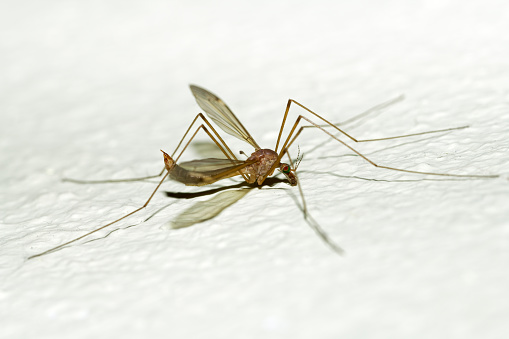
100 228
387 138
334 126
378 109
225 151
224 148
304 207
78 181
311 221
230 154
416 134
290 140
394 137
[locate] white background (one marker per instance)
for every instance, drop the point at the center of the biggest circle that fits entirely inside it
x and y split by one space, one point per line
93 90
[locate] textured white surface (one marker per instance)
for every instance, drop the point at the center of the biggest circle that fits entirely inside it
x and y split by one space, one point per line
94 89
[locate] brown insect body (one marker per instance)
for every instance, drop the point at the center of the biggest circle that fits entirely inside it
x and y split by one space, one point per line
262 167
255 169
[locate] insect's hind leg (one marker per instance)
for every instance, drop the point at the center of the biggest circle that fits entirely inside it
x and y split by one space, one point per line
78 181
102 227
221 144
225 151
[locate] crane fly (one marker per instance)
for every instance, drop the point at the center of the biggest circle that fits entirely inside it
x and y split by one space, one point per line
262 163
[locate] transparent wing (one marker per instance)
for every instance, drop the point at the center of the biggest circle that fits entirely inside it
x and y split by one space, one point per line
209 164
207 171
217 110
205 210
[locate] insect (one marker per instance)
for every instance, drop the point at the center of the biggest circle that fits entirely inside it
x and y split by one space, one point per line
262 163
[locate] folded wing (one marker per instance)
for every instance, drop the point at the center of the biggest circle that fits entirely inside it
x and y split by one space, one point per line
207 171
209 164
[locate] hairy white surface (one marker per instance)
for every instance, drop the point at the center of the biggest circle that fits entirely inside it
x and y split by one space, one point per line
93 90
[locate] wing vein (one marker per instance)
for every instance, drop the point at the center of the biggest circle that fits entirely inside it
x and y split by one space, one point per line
217 110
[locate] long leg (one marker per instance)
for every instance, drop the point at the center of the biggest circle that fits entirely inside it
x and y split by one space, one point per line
375 110
289 141
310 220
335 126
312 223
155 190
230 154
224 148
102 227
386 138
389 138
78 181
380 108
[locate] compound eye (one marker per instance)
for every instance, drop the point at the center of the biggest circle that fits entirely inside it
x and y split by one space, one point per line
285 168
